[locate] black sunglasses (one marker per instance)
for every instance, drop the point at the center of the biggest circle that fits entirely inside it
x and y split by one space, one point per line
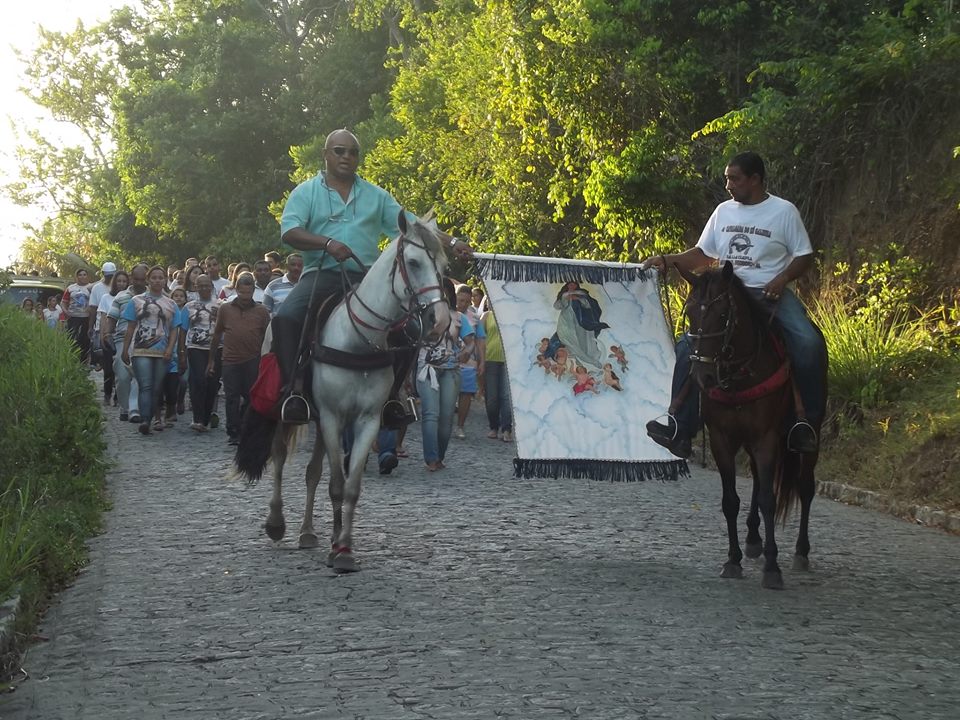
340 151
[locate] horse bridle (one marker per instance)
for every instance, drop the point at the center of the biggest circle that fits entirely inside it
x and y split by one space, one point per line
410 302
725 356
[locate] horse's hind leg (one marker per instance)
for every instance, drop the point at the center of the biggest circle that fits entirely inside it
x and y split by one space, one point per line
275 526
754 545
725 459
308 538
808 488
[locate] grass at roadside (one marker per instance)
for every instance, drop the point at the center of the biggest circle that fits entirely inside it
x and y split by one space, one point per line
908 449
51 491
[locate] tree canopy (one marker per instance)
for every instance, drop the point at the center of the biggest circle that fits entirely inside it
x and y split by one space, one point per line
585 128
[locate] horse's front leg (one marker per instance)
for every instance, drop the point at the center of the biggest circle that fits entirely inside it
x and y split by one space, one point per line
308 538
366 428
332 433
724 453
767 454
275 526
754 547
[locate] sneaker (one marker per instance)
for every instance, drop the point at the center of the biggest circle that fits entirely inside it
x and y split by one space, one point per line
135 418
214 420
671 437
124 417
459 434
196 426
387 463
144 428
507 436
802 438
493 435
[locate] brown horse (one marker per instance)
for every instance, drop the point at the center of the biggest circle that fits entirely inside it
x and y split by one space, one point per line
748 401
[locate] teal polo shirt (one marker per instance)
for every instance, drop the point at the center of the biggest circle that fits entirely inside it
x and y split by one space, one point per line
369 214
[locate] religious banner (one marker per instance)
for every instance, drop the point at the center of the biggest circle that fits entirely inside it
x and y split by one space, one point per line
590 359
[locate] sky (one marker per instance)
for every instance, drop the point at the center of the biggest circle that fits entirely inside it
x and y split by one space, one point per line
19 30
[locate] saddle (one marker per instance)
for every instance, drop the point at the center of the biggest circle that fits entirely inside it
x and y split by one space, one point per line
395 414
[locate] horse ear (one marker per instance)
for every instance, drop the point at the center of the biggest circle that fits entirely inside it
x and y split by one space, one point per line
727 271
402 222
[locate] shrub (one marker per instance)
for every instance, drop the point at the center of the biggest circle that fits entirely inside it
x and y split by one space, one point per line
51 493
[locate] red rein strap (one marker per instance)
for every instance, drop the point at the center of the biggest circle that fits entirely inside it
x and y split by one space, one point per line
766 387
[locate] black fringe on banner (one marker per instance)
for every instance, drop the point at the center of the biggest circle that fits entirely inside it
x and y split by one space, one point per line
611 470
533 271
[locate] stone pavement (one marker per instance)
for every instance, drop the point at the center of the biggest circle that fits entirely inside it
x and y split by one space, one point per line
482 596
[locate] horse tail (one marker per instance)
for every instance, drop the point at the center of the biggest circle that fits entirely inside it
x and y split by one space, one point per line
787 485
256 439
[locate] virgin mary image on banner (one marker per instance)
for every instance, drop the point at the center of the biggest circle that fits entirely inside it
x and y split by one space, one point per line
578 327
588 351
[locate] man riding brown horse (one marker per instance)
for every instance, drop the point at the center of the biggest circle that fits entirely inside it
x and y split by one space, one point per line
764 238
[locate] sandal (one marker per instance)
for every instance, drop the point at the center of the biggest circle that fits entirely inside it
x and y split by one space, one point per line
402 452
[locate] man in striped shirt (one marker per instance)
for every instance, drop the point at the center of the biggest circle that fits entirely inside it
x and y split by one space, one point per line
277 290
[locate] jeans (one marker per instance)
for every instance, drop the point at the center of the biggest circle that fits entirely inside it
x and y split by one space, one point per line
150 372
127 387
108 373
203 387
438 407
496 395
386 442
238 378
805 349
77 329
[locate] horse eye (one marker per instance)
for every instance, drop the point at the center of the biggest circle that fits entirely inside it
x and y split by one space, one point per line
414 264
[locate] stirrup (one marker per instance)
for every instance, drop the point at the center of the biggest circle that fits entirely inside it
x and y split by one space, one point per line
296 412
802 423
676 426
396 415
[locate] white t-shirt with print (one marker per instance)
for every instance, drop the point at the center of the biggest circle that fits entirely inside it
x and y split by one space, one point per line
760 240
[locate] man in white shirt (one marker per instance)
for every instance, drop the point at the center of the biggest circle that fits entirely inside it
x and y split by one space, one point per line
97 291
764 238
212 269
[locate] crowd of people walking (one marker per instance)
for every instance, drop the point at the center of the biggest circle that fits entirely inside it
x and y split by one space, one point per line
169 340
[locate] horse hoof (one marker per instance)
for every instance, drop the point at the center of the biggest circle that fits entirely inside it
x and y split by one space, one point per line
754 551
732 571
773 580
276 532
308 541
801 563
343 562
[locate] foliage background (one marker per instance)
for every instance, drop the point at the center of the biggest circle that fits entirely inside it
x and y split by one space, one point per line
583 128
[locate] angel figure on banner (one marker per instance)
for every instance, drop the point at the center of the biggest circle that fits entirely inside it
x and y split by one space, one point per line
578 326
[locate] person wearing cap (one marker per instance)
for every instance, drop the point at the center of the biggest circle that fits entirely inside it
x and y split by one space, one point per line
107 271
97 291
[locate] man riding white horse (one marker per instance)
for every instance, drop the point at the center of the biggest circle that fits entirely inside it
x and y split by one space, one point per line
335 217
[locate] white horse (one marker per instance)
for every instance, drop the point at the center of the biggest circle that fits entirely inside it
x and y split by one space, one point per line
403 284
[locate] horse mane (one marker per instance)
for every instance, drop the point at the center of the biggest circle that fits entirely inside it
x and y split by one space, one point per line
758 313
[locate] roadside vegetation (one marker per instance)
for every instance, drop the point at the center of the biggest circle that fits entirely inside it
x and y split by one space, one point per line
894 413
52 478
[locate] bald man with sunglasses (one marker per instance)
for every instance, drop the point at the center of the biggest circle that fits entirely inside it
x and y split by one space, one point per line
334 217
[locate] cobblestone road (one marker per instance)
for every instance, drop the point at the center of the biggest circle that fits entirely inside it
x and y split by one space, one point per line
482 597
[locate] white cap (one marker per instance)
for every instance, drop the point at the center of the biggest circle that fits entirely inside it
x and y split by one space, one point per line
108 268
